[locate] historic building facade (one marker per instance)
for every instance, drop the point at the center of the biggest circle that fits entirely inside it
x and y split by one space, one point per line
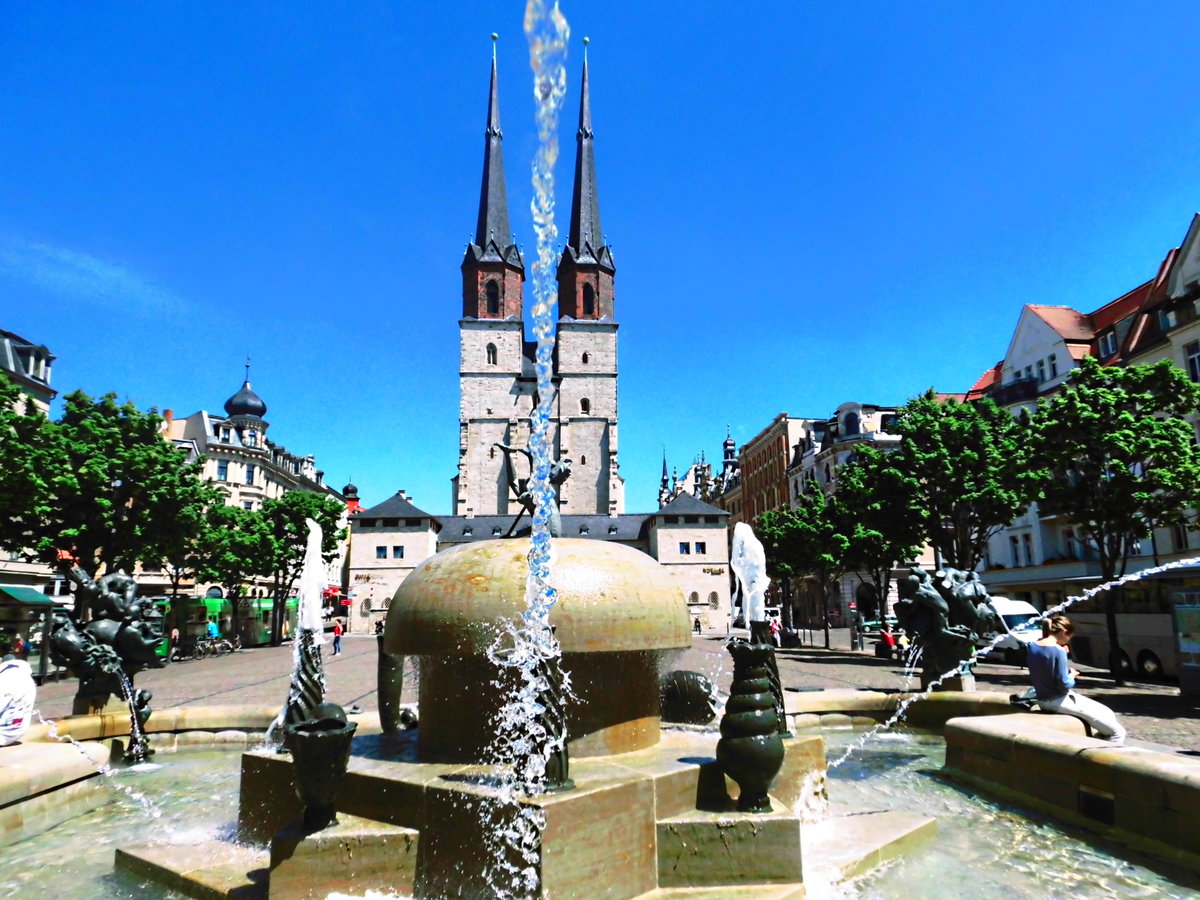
247 466
497 382
498 393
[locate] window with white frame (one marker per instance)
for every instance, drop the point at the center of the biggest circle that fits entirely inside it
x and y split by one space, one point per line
1107 344
1015 546
1191 359
1027 544
1052 360
1041 369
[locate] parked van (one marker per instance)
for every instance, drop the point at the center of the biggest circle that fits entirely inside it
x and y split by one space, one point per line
1020 628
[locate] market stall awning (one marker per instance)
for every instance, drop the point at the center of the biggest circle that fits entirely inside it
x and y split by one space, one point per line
26 596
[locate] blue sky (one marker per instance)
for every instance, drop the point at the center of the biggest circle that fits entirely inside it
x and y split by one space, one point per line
808 203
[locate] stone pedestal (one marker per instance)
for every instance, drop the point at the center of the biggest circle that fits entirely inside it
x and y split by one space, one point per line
352 856
953 683
708 849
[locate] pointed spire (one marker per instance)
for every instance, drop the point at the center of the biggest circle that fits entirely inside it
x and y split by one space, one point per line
493 237
586 238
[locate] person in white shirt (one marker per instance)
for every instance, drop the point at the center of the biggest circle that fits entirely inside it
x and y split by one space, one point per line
17 693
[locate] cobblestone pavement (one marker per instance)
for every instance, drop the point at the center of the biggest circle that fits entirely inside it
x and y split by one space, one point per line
1152 712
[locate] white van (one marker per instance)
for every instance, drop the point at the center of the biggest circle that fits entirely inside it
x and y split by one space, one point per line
1020 627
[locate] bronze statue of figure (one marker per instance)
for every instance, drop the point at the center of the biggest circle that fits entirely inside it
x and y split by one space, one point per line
947 613
560 471
121 639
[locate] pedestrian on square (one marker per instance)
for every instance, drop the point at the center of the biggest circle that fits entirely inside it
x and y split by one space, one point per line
337 637
1054 680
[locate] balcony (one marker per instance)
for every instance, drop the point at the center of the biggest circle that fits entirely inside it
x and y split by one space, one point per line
1015 391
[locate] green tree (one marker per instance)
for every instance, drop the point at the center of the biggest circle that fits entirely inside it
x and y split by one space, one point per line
185 539
286 528
1116 457
101 485
969 461
887 520
233 548
809 539
25 499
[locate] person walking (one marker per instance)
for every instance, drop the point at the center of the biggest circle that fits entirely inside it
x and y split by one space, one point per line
337 637
1054 681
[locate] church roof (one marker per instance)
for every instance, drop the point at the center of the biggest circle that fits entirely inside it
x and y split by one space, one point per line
585 243
466 529
493 236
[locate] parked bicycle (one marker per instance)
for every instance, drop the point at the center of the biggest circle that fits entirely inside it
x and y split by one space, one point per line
205 647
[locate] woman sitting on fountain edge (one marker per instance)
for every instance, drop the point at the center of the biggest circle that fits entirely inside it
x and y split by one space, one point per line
1053 681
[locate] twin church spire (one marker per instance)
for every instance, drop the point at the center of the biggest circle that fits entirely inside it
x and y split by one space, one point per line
493 270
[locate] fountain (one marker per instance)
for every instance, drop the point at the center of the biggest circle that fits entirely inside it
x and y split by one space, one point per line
121 639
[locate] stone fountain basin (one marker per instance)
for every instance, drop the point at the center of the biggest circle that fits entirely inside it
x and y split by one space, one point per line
617 611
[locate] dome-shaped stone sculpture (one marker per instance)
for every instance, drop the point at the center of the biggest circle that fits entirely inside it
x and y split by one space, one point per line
617 611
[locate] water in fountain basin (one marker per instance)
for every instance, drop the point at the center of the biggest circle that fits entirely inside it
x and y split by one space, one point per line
982 652
984 850
147 805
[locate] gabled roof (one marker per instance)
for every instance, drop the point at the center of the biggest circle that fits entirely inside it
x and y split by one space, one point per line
395 507
1117 310
688 505
1070 324
986 381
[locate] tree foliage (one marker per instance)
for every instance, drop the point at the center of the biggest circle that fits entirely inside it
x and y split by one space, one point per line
25 499
286 530
811 538
100 485
1115 456
969 464
233 548
887 521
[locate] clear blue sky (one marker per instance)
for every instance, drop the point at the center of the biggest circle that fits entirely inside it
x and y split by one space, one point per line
808 203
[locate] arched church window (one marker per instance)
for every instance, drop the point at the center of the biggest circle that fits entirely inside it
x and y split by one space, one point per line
493 298
850 424
587 358
585 406
589 300
583 459
491 354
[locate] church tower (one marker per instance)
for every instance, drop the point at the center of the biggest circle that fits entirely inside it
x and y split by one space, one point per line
496 376
586 350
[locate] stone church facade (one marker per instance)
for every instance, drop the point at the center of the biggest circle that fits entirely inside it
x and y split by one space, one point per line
497 381
498 394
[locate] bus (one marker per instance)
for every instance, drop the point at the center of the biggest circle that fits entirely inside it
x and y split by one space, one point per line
1145 612
256 619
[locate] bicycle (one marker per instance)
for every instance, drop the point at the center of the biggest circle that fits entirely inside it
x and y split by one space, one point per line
205 647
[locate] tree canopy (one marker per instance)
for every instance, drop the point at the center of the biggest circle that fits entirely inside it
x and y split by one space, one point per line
811 538
1114 454
969 465
100 484
286 529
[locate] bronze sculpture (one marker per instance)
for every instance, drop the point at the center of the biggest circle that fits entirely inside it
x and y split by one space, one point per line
105 654
947 613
